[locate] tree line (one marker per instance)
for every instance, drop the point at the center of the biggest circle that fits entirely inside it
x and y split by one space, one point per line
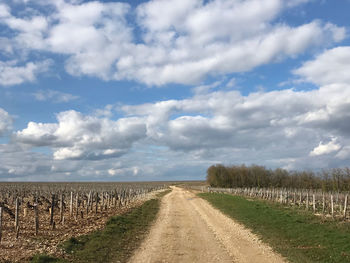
336 179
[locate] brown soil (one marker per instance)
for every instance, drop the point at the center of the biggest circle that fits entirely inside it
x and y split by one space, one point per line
189 229
47 240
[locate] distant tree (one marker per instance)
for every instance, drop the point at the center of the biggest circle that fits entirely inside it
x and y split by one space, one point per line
258 176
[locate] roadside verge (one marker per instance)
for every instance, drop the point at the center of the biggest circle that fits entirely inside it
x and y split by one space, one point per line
297 235
116 242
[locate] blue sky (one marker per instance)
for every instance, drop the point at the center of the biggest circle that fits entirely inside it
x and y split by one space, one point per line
162 89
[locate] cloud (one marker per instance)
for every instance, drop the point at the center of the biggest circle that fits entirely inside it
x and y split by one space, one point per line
4 11
6 46
180 41
161 42
274 128
327 148
261 125
132 171
184 45
13 74
54 96
76 136
92 34
330 67
344 153
5 122
16 161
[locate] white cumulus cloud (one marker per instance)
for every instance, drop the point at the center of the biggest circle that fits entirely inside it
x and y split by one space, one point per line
326 148
181 41
11 73
330 67
275 128
76 136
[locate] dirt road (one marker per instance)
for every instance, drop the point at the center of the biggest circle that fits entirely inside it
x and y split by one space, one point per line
189 229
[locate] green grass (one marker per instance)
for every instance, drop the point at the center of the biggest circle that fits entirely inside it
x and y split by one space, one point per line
46 259
116 242
297 235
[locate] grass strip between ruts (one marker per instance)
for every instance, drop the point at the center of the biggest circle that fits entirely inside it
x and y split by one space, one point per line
298 235
116 242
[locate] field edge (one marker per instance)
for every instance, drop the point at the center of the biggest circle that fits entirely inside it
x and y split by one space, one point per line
299 236
116 242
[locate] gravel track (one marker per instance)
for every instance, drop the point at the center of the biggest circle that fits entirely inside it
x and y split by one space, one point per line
189 229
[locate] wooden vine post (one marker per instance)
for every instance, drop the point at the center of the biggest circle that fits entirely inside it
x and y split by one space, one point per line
88 203
36 219
61 209
345 205
294 197
96 204
71 205
323 204
76 206
92 201
1 223
16 214
52 209
332 206
103 201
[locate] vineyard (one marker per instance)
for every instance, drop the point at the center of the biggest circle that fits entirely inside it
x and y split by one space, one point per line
326 204
325 193
36 217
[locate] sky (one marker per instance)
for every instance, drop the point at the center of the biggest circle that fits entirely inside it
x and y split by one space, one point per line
162 89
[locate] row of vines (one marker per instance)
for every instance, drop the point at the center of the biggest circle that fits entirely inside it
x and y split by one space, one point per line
324 193
326 204
29 211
